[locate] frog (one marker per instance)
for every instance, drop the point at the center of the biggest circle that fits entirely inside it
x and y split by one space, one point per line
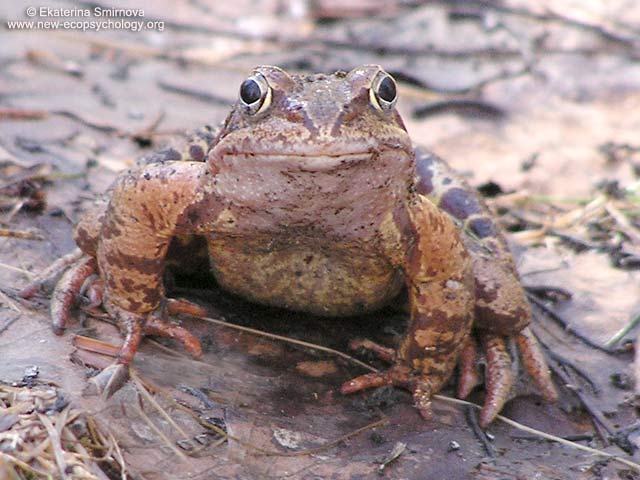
313 197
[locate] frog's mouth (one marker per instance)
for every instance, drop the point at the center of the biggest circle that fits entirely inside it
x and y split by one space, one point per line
301 162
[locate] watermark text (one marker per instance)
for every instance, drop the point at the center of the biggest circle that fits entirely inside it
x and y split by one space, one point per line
93 19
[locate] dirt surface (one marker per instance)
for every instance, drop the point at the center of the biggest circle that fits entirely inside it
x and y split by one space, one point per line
538 103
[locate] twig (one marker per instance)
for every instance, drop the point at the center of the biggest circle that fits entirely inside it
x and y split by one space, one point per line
200 95
546 436
23 234
21 114
4 298
54 437
588 404
623 222
289 340
619 335
566 362
16 269
158 432
472 420
565 324
549 292
142 390
10 459
8 323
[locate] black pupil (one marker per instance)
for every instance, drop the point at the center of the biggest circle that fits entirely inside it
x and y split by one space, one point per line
250 91
387 89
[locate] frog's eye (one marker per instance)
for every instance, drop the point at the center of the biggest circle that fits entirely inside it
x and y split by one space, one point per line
255 94
383 92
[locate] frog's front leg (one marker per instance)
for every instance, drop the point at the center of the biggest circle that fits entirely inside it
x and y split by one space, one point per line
147 207
440 286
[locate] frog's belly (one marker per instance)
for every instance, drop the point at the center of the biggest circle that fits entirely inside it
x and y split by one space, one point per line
323 281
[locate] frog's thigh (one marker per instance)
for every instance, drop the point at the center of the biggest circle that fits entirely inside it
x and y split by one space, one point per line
501 305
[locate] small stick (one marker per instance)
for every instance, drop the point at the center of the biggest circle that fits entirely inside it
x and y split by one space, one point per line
23 234
619 335
472 419
565 324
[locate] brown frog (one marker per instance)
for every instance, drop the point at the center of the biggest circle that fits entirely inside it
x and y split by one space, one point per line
313 198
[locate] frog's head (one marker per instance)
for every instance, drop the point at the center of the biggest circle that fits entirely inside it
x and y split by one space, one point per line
316 122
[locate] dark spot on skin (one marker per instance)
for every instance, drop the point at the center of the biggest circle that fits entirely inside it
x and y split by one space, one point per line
440 320
152 296
507 323
308 259
110 228
135 306
424 185
134 263
460 203
196 153
84 240
127 284
171 154
482 227
206 136
147 176
446 181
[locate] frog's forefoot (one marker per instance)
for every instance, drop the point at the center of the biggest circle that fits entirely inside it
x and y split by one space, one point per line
135 327
398 376
68 289
81 279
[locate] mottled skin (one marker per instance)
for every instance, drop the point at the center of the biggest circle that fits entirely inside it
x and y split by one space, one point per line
313 198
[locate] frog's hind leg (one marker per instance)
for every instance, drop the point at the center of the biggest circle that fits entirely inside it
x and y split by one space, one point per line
498 376
501 306
469 375
499 372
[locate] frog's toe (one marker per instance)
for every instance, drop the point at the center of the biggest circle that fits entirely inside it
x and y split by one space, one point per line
498 377
68 289
157 326
422 398
177 306
535 364
50 273
469 373
385 354
399 376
